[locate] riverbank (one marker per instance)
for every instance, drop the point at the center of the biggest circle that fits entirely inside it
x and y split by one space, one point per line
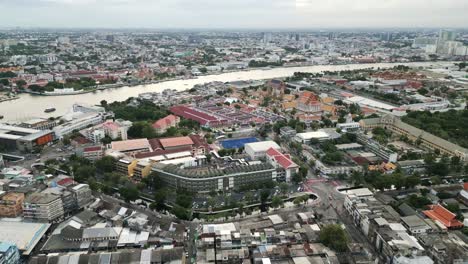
10 98
30 106
152 82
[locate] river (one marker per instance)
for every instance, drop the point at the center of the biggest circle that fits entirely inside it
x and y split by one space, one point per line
29 106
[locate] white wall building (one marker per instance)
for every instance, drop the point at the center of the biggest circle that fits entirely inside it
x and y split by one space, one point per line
306 137
258 150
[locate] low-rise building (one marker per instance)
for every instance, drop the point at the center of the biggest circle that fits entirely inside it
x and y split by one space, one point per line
287 132
307 137
39 124
381 225
131 146
427 140
43 207
113 129
91 152
11 204
415 224
163 124
78 122
348 127
25 235
442 216
9 253
286 168
82 194
376 148
257 150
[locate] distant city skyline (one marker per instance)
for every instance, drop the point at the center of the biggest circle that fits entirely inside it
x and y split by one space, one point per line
242 14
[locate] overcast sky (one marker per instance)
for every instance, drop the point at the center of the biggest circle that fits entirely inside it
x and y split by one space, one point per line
234 13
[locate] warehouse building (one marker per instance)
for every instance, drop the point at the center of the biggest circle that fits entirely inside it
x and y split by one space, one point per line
24 235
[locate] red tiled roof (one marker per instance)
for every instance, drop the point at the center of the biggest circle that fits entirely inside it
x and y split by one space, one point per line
193 114
272 152
111 125
198 141
164 122
465 186
81 140
155 144
66 182
441 214
280 158
95 148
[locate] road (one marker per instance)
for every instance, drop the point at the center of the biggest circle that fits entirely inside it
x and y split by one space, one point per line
331 197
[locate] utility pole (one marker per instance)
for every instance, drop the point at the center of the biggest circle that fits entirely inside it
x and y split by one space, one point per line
215 248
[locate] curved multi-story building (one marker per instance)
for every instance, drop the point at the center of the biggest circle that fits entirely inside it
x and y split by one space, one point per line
206 179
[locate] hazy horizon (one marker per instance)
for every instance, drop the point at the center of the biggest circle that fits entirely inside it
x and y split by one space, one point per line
239 14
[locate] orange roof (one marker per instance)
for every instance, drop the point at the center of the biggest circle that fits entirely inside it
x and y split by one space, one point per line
367 110
444 216
288 105
465 186
165 122
129 145
328 108
175 142
288 97
328 100
308 98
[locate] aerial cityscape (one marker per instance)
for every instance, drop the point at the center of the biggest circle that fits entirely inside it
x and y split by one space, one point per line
263 132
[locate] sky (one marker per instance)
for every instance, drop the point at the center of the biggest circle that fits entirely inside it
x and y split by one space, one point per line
241 14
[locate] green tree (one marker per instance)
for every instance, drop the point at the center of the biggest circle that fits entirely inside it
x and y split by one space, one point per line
4 82
276 202
184 200
264 194
334 237
153 181
249 197
423 91
129 193
181 212
160 200
357 178
105 164
284 188
84 172
21 83
412 181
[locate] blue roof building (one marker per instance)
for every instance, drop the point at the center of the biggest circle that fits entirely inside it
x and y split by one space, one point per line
9 253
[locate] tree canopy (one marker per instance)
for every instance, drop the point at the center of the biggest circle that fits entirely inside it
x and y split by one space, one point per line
334 236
